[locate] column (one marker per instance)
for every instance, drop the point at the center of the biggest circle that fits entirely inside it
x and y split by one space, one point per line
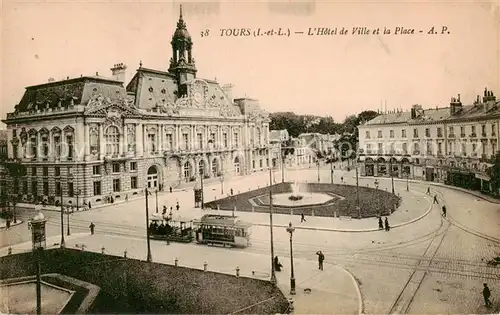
102 142
161 137
86 135
177 137
138 140
125 138
193 137
120 146
145 144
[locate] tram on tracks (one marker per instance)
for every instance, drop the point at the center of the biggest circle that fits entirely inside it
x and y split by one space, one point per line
168 228
225 230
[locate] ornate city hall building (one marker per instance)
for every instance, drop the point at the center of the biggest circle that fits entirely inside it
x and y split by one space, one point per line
94 137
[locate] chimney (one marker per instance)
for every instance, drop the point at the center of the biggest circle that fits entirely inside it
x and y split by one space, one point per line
455 105
118 71
413 113
51 80
228 90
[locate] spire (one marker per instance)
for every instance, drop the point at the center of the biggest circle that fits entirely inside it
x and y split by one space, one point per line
181 24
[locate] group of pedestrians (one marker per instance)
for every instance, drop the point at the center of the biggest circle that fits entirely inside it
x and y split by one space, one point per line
383 225
321 258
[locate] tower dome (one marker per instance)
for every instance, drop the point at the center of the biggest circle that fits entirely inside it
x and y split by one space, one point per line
181 33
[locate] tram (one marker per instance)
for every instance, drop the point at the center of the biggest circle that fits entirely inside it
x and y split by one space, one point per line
175 229
225 230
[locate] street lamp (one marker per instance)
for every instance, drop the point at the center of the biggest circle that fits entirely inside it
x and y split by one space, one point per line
357 188
407 184
273 272
38 240
392 174
67 221
62 220
290 229
148 258
222 185
156 196
14 202
317 162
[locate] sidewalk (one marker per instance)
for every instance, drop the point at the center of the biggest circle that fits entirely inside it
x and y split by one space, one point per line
470 192
3 223
333 291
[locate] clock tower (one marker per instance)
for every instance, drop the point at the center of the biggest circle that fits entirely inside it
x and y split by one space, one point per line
182 61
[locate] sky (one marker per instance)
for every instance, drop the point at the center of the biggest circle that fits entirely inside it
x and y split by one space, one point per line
335 75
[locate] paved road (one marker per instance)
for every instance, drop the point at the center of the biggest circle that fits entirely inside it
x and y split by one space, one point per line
435 265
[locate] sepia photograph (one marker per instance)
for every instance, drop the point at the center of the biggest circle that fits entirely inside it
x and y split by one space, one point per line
254 157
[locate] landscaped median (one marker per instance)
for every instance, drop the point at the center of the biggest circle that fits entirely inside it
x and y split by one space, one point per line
135 286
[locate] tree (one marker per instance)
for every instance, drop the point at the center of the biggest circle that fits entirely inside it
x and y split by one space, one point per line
494 173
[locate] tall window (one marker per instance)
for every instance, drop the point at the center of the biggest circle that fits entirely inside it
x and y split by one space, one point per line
451 130
45 188
440 148
429 147
427 132
415 133
214 167
116 184
45 145
58 188
71 190
405 148
199 140
34 147
473 129
379 134
464 151
133 182
493 130
170 141
185 141
483 130
97 188
94 142
112 136
212 137
462 131
152 142
69 143
439 132
380 148
34 188
367 134
224 139
391 133
57 171
236 139
403 133
57 145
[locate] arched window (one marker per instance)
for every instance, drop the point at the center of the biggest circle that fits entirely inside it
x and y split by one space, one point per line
112 140
94 142
187 170
215 169
237 165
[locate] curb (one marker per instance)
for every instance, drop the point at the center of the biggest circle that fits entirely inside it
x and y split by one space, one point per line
4 227
351 230
361 309
466 191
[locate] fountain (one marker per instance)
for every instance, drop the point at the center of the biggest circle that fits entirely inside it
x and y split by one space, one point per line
295 196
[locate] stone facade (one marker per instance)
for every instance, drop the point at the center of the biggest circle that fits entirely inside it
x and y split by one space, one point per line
451 145
97 138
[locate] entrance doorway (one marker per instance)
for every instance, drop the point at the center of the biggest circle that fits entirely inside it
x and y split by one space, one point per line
152 177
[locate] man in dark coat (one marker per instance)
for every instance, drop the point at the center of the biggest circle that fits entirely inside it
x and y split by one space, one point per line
444 211
380 223
321 258
486 295
277 264
91 227
302 218
387 227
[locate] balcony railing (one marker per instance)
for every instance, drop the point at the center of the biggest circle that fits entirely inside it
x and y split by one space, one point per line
473 135
439 135
462 135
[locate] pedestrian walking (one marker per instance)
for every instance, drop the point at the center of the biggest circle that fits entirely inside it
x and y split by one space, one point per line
126 197
302 218
90 206
164 210
177 206
435 199
387 227
444 211
231 190
7 223
321 258
277 264
486 295
428 190
380 223
342 179
91 227
170 189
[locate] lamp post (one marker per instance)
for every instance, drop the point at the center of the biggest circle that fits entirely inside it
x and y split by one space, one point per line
317 162
14 201
202 171
290 229
282 158
331 169
156 196
148 258
63 243
222 185
273 272
38 240
67 222
407 184
357 188
392 175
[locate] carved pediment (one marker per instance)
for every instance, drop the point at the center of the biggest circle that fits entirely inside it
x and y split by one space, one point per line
104 106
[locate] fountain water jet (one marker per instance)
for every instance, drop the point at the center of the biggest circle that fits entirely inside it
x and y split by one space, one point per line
295 192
